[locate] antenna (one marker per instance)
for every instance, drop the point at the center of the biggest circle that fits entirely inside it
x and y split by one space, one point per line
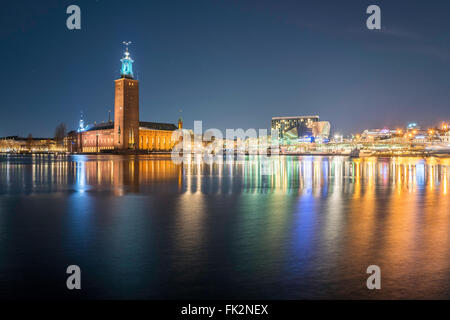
126 43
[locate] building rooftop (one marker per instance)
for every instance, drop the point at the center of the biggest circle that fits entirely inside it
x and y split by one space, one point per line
101 126
17 138
294 117
142 124
158 126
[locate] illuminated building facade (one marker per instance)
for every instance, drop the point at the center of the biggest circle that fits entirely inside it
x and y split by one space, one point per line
29 144
126 132
446 137
300 127
378 134
321 129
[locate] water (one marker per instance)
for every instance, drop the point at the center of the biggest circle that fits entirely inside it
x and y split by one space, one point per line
142 227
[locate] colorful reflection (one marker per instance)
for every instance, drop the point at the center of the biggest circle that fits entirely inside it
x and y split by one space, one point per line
287 228
317 175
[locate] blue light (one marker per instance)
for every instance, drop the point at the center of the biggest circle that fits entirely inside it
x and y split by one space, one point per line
127 66
81 127
306 139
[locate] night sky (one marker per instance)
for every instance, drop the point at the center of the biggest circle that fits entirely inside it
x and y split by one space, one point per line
232 64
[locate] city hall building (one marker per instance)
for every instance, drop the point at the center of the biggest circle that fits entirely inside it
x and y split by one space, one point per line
126 132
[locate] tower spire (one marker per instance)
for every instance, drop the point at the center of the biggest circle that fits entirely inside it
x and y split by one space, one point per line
127 63
81 124
180 120
126 43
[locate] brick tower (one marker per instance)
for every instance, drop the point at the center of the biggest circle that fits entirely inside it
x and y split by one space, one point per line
126 106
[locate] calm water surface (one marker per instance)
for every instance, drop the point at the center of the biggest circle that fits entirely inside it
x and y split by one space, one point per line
145 228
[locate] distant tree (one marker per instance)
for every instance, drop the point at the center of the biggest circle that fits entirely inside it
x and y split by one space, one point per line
60 133
29 142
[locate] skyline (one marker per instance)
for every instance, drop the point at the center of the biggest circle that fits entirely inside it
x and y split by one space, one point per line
209 56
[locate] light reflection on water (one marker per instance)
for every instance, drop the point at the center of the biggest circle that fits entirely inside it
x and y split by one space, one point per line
144 227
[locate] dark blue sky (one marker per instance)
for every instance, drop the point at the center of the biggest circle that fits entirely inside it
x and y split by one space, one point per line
229 63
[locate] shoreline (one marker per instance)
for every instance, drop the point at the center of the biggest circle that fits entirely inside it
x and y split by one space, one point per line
384 155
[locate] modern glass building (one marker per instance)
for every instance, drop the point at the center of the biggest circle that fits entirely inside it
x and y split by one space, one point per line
294 127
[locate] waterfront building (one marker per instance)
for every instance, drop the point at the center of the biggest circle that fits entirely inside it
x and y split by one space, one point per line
378 134
321 129
29 144
300 127
126 132
294 127
446 137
